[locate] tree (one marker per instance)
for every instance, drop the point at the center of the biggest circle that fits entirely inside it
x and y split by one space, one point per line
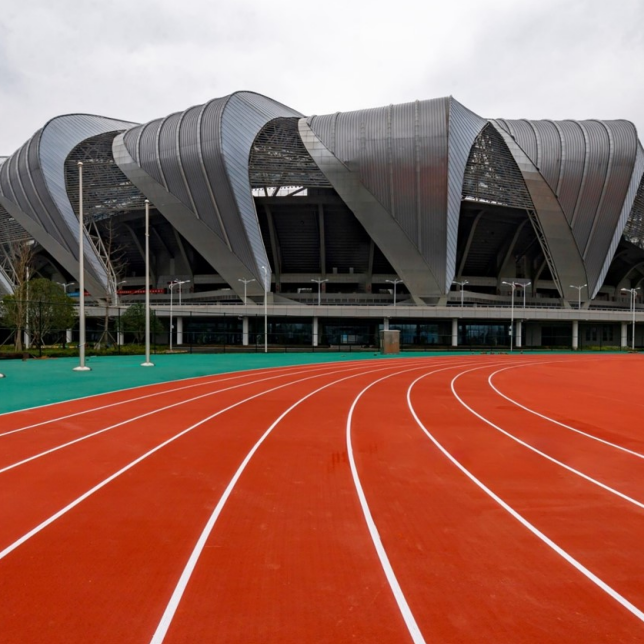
42 305
20 257
133 321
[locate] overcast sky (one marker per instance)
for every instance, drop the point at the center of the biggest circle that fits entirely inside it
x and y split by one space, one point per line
142 59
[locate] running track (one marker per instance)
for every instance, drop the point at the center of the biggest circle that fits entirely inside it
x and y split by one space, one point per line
461 499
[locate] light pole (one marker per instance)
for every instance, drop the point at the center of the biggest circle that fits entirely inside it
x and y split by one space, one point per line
513 285
147 362
525 286
395 283
116 292
633 292
180 283
65 285
319 282
81 268
579 288
265 309
461 284
171 286
245 283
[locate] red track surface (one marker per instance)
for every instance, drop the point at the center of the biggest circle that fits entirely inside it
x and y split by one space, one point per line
392 501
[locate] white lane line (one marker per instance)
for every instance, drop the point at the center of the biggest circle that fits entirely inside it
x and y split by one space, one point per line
138 398
41 526
171 608
135 418
556 422
549 542
537 451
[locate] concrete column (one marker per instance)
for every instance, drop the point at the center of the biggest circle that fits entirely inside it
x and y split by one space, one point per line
454 332
518 325
68 335
624 342
385 324
575 334
245 331
315 331
179 331
119 338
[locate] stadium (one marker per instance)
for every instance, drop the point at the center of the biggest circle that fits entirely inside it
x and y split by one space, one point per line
457 230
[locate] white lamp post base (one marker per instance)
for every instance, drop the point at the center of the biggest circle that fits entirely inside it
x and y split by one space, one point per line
79 368
147 364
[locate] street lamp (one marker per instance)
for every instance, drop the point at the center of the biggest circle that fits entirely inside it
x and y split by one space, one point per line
394 282
633 292
266 287
147 362
319 283
65 285
171 285
81 268
525 285
245 283
579 288
116 292
461 284
179 284
513 285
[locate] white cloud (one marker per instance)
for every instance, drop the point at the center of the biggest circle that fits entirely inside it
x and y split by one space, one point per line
144 59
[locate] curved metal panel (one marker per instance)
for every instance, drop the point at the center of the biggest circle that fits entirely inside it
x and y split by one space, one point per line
628 212
34 191
381 226
554 232
550 143
196 231
411 158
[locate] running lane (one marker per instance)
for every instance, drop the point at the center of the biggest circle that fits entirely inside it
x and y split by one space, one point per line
470 571
103 571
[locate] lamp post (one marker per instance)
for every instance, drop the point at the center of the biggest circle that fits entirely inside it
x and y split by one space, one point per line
525 286
179 284
65 285
147 362
461 284
513 285
319 282
265 309
81 281
395 283
116 292
633 292
171 286
579 288
245 283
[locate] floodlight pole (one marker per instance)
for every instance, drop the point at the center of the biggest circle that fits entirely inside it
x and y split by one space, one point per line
147 362
245 283
319 282
265 309
394 282
579 288
461 284
633 292
81 282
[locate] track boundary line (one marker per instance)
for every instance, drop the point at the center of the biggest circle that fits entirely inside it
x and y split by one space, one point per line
523 521
165 382
571 469
125 402
41 526
135 418
556 422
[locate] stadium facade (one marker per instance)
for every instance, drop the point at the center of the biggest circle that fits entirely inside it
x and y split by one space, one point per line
422 214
